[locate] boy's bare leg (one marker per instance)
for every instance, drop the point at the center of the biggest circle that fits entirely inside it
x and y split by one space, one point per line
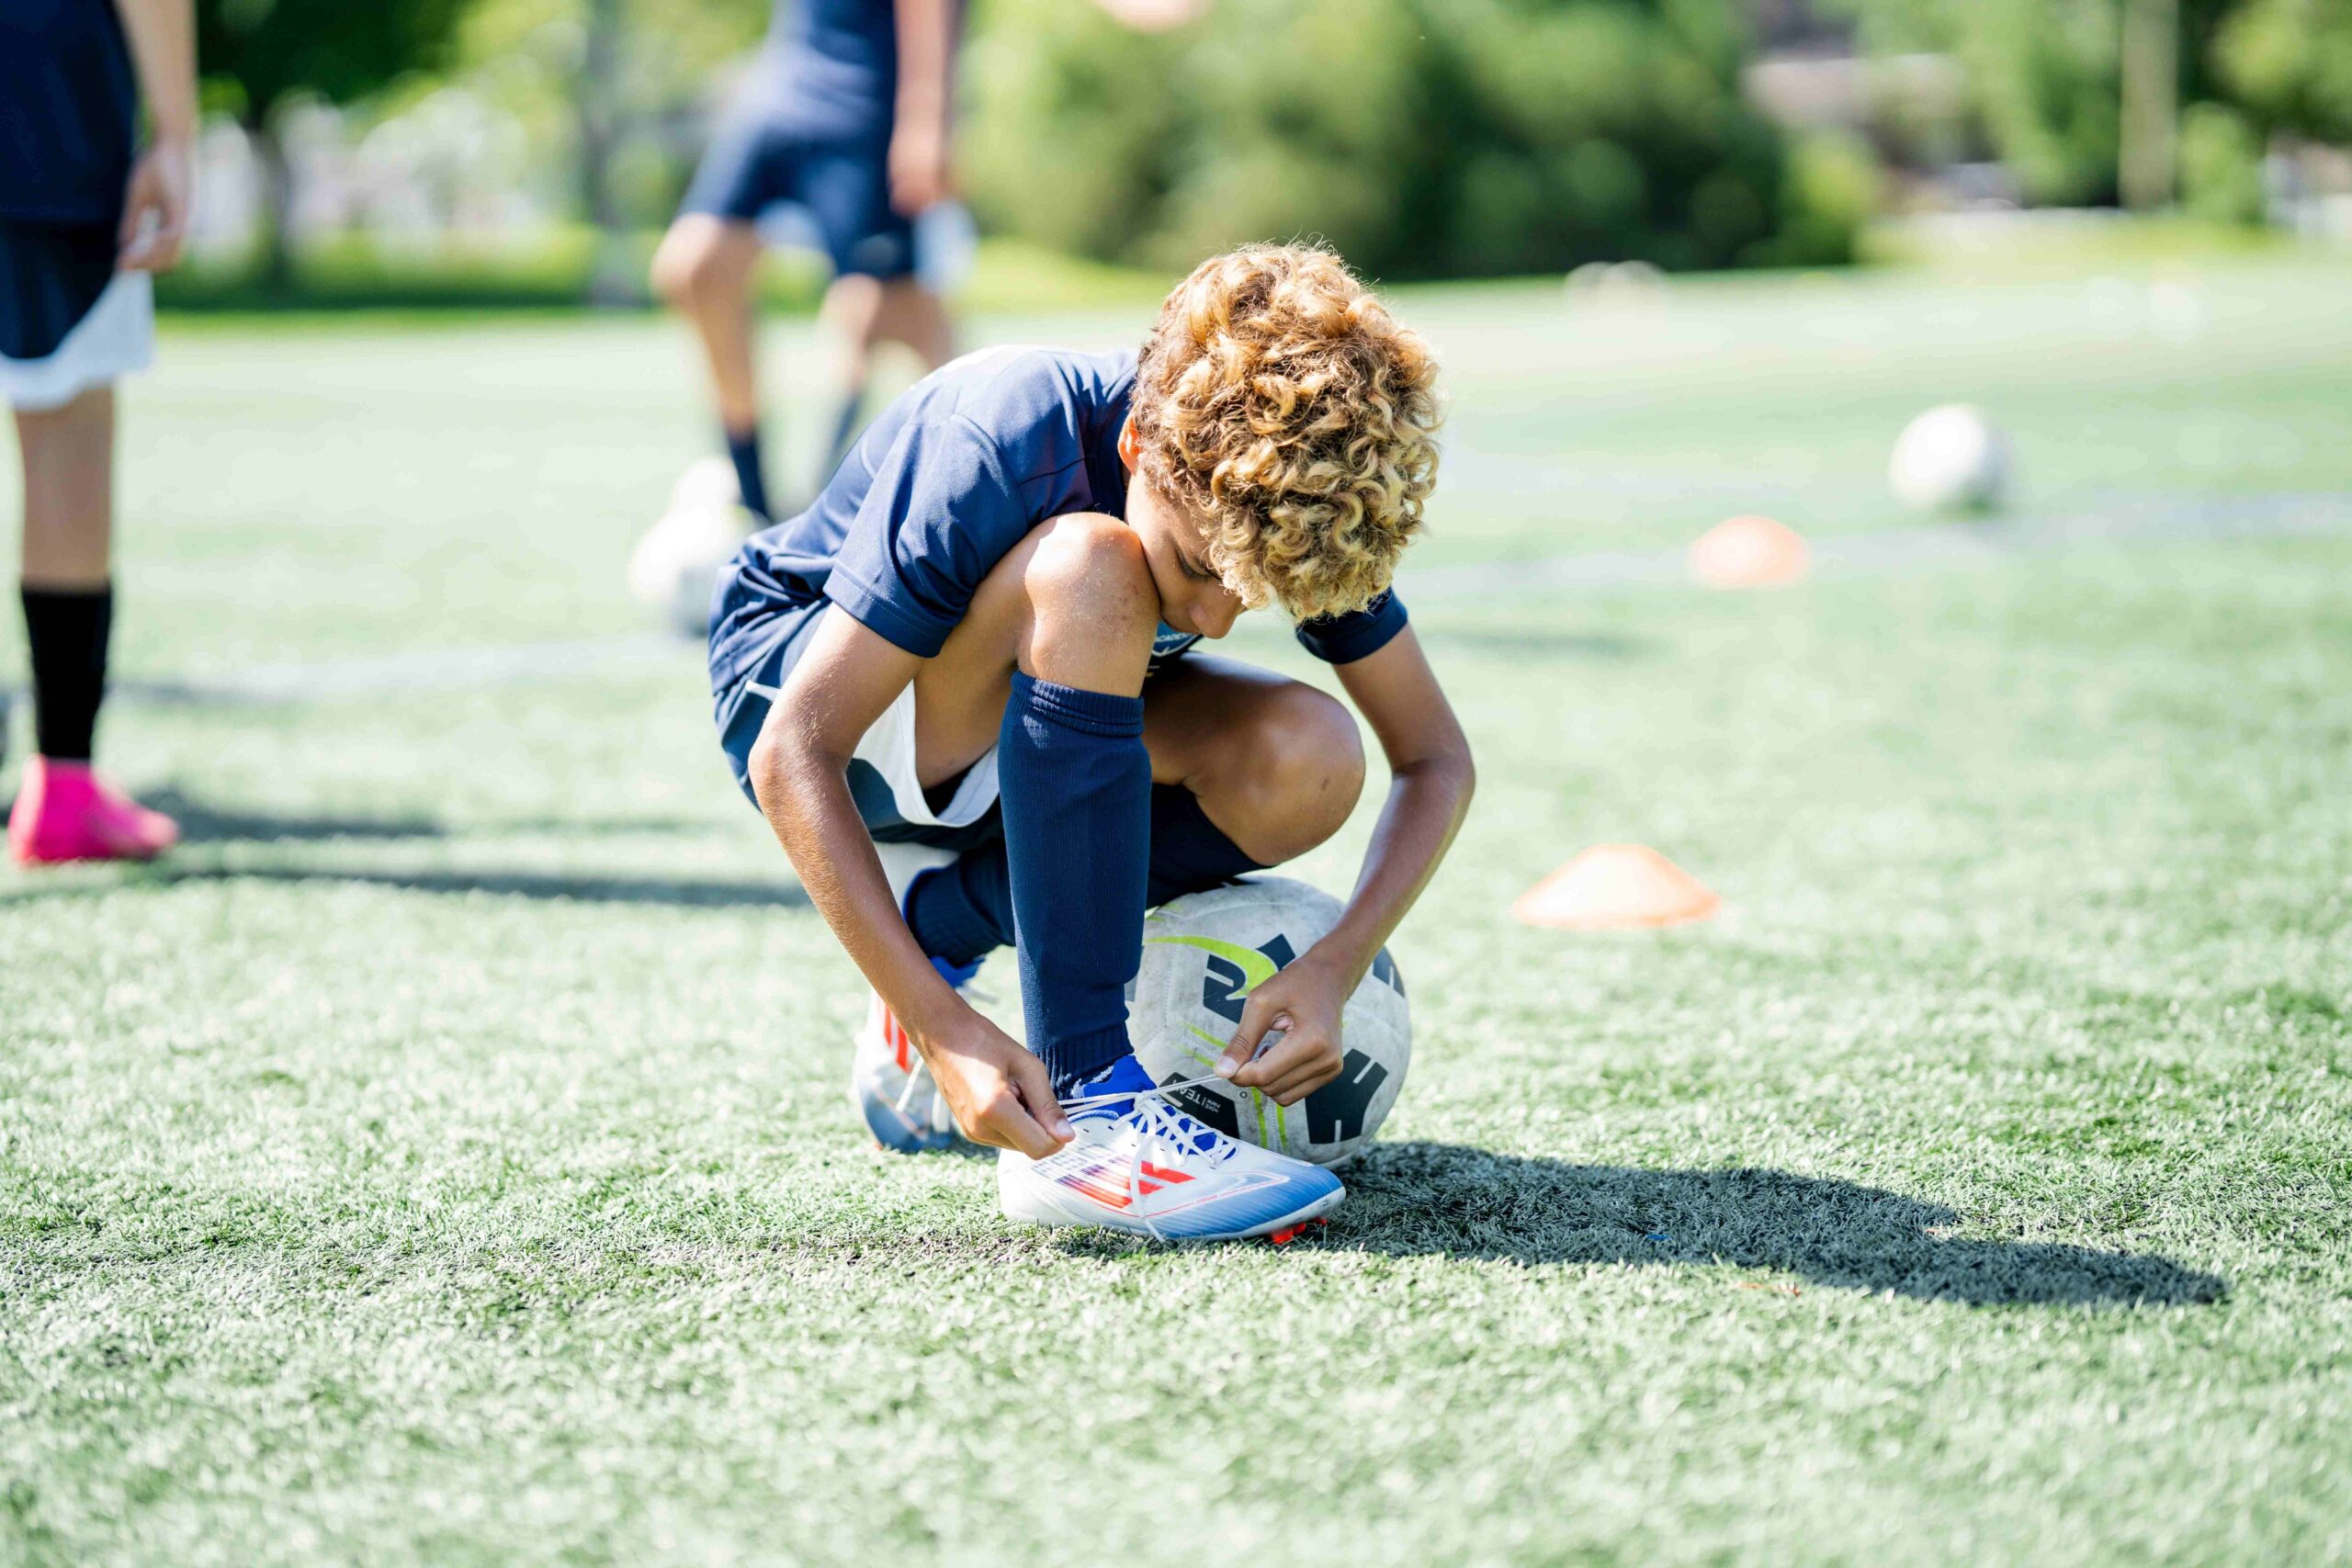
1276 765
703 268
69 491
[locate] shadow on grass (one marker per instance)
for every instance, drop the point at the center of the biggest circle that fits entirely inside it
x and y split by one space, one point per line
1411 1200
202 822
585 887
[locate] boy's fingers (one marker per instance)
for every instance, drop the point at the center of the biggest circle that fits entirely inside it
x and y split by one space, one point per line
1256 1018
1007 1124
1300 1062
1279 1059
1297 1085
1036 1086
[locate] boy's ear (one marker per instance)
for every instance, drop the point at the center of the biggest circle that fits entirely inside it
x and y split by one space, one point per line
1129 446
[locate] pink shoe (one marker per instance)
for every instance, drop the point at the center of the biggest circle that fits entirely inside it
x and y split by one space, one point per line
65 812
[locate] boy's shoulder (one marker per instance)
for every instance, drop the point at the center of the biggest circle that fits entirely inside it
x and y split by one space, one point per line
1041 409
1010 385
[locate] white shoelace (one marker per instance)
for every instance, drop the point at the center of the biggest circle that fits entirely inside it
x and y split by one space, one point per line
916 1075
1156 1121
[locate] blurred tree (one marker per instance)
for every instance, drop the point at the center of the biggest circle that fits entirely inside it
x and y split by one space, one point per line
2046 79
614 90
258 54
2289 65
1420 137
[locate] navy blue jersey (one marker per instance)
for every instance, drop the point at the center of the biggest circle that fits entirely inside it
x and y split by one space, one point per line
67 101
949 479
831 68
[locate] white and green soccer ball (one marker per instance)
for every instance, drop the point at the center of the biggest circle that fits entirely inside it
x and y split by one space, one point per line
1203 954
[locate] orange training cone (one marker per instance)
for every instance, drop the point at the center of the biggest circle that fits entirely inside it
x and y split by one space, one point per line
1613 887
1749 552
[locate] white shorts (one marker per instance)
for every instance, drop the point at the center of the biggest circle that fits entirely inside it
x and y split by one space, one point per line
889 747
883 783
115 337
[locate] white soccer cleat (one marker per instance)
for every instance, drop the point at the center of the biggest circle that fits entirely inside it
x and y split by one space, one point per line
893 1090
1139 1165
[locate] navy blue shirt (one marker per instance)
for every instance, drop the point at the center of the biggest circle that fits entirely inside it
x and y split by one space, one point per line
949 479
830 67
67 102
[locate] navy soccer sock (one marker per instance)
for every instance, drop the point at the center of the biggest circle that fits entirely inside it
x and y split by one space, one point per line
1189 853
1077 787
66 630
963 912
743 451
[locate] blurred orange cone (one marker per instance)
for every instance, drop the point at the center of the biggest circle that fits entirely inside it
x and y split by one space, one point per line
1749 552
1612 886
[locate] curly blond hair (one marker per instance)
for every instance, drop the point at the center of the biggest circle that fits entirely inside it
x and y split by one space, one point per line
1280 401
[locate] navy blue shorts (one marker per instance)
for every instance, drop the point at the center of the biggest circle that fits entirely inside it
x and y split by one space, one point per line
51 274
749 659
747 668
757 161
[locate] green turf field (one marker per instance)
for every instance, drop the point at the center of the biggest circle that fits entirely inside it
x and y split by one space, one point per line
444 1158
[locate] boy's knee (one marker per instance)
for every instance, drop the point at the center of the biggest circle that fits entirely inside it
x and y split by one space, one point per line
1092 606
1302 765
695 259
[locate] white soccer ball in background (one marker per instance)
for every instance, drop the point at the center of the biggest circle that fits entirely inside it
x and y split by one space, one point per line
675 566
707 481
1951 459
1203 954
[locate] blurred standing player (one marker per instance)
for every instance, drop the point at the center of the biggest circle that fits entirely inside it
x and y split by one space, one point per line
85 216
848 113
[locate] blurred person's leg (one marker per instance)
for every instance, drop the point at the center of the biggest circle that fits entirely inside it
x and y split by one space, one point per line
864 313
703 268
64 810
851 315
875 297
63 582
69 325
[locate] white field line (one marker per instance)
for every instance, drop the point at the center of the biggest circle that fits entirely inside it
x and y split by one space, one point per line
2133 520
2123 520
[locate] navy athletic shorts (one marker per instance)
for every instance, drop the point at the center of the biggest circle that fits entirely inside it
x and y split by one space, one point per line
747 668
758 161
748 671
51 274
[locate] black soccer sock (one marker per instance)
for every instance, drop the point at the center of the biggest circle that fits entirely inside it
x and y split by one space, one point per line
964 911
743 451
1077 785
66 629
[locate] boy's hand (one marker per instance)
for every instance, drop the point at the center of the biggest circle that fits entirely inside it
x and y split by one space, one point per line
920 172
999 1093
155 209
1304 1003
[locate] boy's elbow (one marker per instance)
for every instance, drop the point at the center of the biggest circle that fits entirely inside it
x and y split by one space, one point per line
1465 778
767 767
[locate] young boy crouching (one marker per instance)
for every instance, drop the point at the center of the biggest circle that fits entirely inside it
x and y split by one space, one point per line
981 637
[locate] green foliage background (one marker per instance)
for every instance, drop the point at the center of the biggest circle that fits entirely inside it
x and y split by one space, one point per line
1424 138
2043 85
